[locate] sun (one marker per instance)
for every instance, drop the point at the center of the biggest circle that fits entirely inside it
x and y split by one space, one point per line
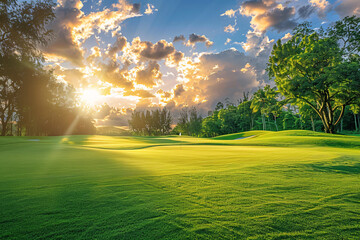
90 96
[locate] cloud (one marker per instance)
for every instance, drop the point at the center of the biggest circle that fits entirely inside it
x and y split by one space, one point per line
267 14
256 42
178 90
230 28
157 51
286 37
230 13
150 9
228 40
139 93
322 6
72 27
118 46
278 18
348 8
111 72
149 75
306 10
63 45
179 38
174 59
194 38
72 76
163 94
256 7
145 50
212 77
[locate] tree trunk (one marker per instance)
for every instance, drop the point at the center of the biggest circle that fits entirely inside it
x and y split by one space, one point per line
341 126
263 122
3 129
312 123
356 126
252 123
277 129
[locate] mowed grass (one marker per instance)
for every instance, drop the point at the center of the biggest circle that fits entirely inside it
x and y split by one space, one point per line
274 185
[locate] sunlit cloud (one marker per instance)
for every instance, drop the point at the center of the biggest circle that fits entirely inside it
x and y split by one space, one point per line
150 9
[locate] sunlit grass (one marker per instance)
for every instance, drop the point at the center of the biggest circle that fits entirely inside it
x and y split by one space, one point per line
285 185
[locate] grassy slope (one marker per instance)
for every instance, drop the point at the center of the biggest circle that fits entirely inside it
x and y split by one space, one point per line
285 185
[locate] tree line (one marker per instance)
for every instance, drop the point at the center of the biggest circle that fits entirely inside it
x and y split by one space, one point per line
32 101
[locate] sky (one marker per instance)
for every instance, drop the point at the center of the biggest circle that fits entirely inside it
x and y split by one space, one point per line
178 53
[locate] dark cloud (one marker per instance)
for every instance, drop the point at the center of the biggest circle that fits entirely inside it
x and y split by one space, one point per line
112 73
157 51
267 14
178 90
277 18
306 10
150 75
348 8
117 46
67 14
179 38
136 8
194 38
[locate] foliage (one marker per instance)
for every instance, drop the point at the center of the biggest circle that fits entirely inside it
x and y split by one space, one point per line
156 122
318 70
189 122
30 97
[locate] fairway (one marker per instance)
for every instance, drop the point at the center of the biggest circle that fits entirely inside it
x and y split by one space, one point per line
274 185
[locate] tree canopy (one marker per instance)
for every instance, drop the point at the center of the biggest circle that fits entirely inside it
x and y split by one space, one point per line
318 70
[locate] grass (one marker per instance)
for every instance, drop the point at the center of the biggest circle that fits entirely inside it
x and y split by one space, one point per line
275 185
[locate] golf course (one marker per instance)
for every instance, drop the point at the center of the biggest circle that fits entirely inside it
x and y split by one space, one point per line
252 185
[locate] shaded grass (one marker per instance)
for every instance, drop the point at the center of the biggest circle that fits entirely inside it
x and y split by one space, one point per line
286 185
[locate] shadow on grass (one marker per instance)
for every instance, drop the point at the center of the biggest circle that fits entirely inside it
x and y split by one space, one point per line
344 169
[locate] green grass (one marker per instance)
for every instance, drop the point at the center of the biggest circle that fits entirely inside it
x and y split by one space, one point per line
275 185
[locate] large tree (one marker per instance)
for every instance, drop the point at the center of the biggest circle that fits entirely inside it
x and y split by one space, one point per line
316 69
22 31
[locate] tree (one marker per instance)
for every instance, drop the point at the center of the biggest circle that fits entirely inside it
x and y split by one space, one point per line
314 70
156 122
265 101
22 31
194 122
219 106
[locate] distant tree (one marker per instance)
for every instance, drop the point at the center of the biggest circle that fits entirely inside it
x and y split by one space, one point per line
219 106
194 122
211 125
354 108
156 122
183 121
314 70
264 101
